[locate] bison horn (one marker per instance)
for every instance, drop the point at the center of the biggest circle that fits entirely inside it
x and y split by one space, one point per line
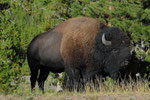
104 41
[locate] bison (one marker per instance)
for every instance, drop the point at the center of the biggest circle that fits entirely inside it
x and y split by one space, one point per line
81 47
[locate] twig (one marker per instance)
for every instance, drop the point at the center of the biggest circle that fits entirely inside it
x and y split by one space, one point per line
22 6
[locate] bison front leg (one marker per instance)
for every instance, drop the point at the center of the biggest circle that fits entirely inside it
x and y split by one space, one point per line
72 79
91 76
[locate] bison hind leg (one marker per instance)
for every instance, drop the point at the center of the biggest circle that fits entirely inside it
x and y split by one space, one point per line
33 79
42 77
34 67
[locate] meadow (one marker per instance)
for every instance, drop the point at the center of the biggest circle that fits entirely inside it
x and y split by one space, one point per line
107 90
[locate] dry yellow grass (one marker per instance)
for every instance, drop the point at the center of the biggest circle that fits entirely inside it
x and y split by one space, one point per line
107 90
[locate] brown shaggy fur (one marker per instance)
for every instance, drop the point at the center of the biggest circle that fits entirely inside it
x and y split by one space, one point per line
78 38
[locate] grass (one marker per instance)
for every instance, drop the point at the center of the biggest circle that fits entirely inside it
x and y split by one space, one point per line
105 89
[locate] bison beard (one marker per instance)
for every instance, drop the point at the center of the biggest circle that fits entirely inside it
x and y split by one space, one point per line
82 47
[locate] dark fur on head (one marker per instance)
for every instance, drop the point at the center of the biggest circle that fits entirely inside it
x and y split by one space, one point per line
112 57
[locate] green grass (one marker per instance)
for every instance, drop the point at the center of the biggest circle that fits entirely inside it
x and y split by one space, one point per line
108 87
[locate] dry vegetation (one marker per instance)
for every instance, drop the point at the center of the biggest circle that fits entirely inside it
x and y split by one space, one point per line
107 90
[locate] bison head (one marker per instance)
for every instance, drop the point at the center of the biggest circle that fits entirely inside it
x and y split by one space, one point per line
113 52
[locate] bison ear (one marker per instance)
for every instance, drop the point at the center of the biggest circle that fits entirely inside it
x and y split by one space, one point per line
102 26
104 41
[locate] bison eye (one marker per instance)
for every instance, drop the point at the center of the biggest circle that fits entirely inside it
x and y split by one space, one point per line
114 50
123 42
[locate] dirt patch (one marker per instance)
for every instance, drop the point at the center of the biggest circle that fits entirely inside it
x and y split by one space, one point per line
99 97
6 97
133 96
